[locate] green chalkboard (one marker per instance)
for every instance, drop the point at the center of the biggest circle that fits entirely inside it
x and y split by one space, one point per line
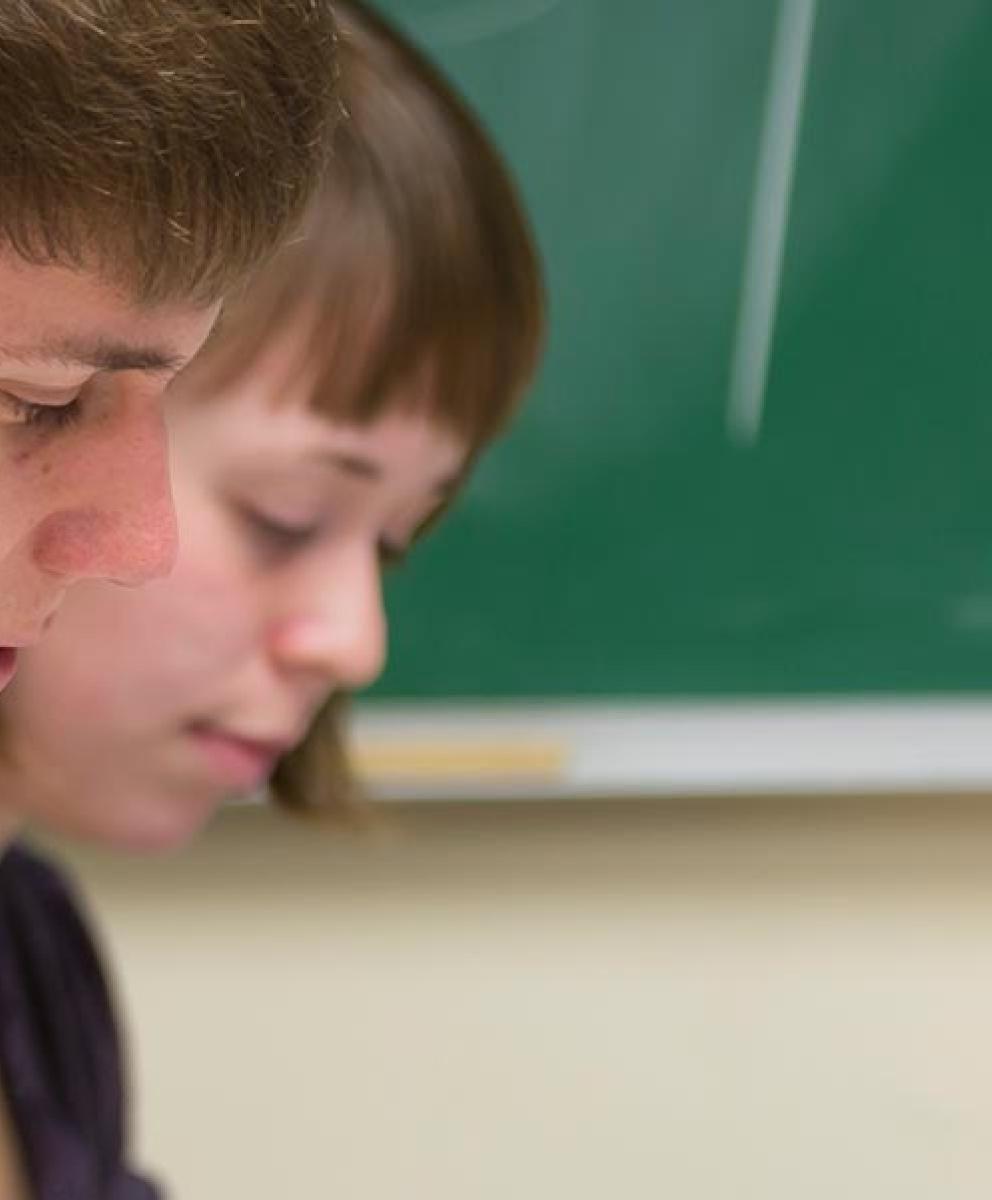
622 541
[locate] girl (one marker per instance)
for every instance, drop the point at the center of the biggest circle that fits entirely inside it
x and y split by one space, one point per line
333 417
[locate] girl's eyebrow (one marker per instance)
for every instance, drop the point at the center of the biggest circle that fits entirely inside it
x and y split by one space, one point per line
352 464
367 468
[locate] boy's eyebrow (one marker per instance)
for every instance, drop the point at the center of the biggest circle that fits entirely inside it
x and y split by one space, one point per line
101 354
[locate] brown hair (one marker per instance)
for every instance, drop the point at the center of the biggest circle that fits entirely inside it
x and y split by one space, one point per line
166 144
416 258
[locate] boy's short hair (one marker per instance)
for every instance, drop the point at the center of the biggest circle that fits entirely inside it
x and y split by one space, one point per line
166 145
418 251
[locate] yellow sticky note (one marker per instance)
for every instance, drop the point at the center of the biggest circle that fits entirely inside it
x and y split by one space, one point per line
413 759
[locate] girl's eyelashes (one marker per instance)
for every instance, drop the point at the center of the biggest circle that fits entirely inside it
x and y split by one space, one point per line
276 534
16 411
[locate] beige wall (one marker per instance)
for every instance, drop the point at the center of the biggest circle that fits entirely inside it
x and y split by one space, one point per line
708 1000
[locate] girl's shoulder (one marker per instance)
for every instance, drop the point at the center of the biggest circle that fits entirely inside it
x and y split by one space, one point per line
60 1050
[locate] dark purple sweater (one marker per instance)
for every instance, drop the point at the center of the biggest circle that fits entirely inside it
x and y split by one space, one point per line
60 1052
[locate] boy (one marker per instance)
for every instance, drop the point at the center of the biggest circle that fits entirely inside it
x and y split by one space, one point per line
151 152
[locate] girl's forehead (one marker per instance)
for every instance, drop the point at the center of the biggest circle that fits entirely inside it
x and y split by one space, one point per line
288 379
345 368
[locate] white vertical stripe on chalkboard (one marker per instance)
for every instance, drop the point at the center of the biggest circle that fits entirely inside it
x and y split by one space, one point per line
769 219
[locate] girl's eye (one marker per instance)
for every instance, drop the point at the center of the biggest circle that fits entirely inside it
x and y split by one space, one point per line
276 534
15 411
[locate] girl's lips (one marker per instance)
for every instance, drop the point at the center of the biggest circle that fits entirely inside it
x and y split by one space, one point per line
236 761
8 665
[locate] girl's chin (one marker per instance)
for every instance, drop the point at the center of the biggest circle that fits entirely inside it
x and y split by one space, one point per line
151 828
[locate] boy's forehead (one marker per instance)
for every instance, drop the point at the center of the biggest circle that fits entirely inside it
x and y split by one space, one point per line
51 315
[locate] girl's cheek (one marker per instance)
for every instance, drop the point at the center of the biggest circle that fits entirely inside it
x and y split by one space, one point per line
208 616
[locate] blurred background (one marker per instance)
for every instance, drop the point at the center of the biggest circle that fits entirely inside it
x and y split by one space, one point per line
683 885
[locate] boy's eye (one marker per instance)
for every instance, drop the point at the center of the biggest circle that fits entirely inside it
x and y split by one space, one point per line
16 411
